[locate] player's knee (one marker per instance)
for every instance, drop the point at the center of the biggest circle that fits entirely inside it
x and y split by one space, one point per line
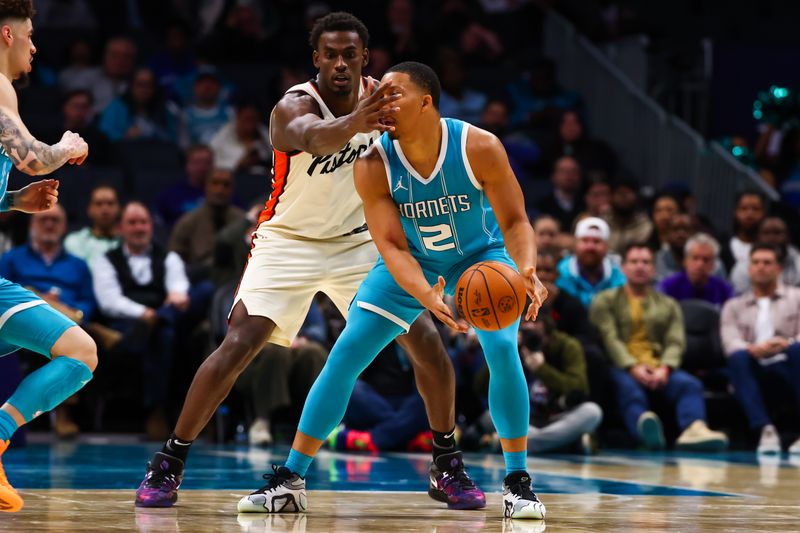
76 344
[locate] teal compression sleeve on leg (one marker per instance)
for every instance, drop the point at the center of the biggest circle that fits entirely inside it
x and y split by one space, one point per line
44 389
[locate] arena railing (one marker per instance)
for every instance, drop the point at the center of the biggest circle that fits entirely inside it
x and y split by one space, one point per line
657 147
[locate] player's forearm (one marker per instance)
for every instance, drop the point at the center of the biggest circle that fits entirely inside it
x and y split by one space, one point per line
521 244
407 272
325 137
35 157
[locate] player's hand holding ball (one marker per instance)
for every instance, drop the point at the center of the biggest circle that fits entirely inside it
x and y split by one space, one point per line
536 291
435 303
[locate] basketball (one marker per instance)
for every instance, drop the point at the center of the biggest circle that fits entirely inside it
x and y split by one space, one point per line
490 295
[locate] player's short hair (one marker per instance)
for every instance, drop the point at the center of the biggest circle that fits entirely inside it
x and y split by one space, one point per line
337 21
16 9
423 76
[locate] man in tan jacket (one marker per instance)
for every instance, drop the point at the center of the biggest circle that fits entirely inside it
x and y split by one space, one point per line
642 331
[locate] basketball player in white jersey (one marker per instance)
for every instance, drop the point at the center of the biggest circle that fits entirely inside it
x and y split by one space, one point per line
312 237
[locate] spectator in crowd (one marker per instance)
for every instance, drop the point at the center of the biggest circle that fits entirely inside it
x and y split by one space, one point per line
232 246
176 59
240 37
386 412
193 235
572 141
207 113
102 236
669 259
242 145
280 377
65 14
568 313
697 280
523 153
403 37
176 200
590 270
547 231
642 331
665 207
458 101
59 278
760 334
77 117
110 80
537 100
143 290
628 223
80 70
141 112
597 198
565 202
750 210
773 231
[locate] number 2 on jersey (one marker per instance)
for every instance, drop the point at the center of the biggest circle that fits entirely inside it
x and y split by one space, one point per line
436 241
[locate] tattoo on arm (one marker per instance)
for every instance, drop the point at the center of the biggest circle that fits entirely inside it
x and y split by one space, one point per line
29 155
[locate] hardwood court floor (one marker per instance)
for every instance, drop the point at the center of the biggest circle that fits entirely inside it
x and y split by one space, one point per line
89 488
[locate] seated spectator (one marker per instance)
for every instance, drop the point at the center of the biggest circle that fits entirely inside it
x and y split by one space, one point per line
751 208
627 222
564 203
102 236
140 113
79 69
775 232
176 59
386 412
568 313
572 141
77 117
590 270
59 278
193 235
178 199
547 230
232 246
280 377
697 280
537 100
242 145
759 332
670 259
642 331
144 292
665 207
207 113
523 153
456 100
110 80
596 198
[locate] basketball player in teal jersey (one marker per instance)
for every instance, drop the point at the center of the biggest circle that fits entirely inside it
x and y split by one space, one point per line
26 321
439 196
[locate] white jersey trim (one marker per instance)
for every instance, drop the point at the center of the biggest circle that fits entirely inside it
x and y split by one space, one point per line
467 166
439 162
385 158
385 314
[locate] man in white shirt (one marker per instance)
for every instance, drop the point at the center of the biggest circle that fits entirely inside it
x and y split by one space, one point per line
145 292
242 145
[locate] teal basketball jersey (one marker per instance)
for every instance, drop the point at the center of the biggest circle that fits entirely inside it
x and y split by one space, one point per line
446 216
5 170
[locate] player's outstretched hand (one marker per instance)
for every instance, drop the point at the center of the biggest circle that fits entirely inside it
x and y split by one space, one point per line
536 290
37 196
371 111
435 303
76 147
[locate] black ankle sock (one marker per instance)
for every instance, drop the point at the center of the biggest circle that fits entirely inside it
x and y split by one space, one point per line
443 442
176 447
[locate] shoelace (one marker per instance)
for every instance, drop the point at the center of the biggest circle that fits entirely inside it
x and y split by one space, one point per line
273 480
459 476
523 489
156 478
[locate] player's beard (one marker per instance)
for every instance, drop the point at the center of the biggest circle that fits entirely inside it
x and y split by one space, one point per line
23 81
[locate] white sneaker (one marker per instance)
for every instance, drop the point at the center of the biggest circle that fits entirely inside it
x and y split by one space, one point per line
770 441
795 447
258 434
698 437
651 432
519 501
285 492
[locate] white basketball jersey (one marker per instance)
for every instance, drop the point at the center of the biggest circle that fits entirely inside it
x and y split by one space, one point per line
314 197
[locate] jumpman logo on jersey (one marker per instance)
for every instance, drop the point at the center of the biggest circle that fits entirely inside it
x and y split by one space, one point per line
399 185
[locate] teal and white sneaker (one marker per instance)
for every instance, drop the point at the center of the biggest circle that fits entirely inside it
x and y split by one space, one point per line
519 501
285 492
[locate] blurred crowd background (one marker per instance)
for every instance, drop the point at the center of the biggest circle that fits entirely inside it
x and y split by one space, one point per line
174 97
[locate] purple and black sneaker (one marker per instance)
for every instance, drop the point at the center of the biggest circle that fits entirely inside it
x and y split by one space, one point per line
451 484
160 485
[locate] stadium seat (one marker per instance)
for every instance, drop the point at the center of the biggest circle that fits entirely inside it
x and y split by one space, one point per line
703 345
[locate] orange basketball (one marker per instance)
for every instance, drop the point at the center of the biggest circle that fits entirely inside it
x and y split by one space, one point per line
490 295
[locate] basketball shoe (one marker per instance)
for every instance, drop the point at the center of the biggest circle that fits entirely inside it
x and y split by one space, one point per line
451 484
161 483
285 492
519 501
10 501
